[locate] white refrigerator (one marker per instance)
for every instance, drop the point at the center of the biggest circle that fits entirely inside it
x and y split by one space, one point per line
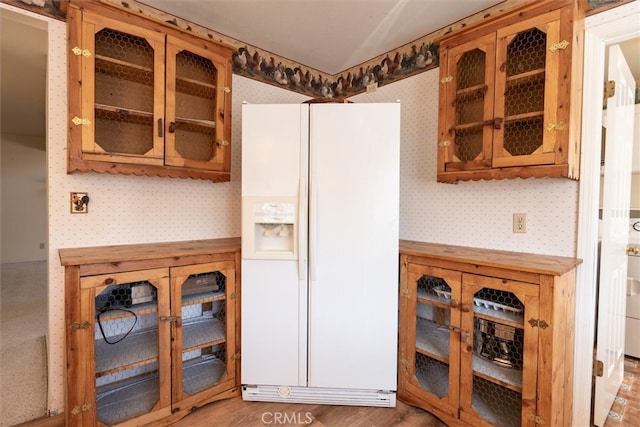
320 219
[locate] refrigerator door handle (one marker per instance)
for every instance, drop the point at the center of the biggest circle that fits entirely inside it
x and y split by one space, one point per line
302 236
313 234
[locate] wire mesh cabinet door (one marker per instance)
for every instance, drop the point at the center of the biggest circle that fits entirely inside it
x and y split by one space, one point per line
430 337
131 368
203 329
529 77
466 106
498 372
197 131
122 92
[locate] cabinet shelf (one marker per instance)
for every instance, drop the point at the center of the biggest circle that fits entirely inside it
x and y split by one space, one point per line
124 70
433 299
526 77
195 125
195 87
126 399
504 377
203 297
201 333
112 112
202 373
432 340
137 349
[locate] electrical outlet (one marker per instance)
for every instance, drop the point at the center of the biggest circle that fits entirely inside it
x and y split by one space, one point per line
372 87
519 222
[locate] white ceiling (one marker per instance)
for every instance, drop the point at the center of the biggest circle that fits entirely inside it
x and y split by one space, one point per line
327 35
321 34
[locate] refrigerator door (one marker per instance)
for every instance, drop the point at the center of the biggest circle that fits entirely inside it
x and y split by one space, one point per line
274 177
354 231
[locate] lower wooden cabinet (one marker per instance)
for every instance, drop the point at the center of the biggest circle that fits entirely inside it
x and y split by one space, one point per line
151 329
486 337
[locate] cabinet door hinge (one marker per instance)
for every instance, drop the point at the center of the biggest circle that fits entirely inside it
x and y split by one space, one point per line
78 121
80 408
235 356
222 142
234 295
536 419
447 79
598 368
556 126
445 143
77 325
558 46
84 52
609 89
405 362
225 89
539 323
406 291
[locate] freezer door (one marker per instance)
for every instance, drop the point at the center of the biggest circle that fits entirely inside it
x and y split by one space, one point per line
274 244
353 225
271 327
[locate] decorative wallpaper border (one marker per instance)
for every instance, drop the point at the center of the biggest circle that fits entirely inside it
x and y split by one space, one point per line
266 67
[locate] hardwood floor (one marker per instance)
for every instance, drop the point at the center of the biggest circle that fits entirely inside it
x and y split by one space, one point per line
236 412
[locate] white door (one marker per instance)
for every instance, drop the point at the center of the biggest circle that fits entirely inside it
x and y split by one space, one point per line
353 257
615 223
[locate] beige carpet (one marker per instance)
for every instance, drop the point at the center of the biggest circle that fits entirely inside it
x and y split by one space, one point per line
23 382
23 326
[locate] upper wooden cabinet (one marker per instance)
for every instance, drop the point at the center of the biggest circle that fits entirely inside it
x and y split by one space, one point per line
510 95
145 98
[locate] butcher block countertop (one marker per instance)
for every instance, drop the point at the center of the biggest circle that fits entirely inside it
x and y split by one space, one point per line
101 259
489 258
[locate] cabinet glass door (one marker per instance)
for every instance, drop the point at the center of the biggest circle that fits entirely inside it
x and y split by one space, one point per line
434 361
498 360
529 81
204 339
123 83
196 92
129 377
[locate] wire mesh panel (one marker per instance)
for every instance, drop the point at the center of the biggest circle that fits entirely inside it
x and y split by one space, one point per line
524 92
124 93
432 335
126 347
204 349
195 132
469 104
498 352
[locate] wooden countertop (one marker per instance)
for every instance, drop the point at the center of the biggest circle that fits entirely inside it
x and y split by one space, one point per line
525 262
146 251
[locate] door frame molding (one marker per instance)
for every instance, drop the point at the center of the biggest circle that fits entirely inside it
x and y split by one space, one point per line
608 27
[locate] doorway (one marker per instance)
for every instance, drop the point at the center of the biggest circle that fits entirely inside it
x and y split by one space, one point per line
24 253
601 30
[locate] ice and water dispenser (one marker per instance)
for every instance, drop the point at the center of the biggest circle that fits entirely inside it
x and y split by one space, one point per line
271 231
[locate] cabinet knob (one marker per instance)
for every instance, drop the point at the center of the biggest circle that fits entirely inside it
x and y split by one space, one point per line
465 308
633 250
454 303
108 280
172 127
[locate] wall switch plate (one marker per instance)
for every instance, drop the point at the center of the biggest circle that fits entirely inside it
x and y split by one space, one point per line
519 222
